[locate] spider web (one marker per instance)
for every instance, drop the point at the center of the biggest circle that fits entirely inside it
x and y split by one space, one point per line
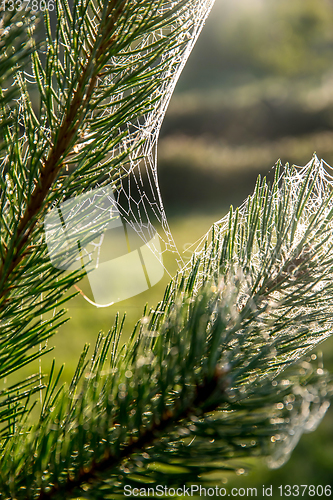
317 179
311 313
121 227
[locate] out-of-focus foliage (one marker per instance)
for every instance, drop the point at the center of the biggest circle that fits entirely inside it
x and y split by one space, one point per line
257 38
264 92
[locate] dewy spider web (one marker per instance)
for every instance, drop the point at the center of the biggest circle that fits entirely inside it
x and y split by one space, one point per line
301 242
128 220
285 279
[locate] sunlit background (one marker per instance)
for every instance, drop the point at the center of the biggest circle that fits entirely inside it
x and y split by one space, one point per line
257 87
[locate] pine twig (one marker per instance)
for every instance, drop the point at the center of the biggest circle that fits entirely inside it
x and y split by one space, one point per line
203 393
53 164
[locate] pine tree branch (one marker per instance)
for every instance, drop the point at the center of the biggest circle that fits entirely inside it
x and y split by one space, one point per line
64 141
198 406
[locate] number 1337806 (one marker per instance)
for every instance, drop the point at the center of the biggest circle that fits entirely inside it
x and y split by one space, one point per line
305 490
31 5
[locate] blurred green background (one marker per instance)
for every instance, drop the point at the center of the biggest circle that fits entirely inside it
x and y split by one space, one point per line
258 86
